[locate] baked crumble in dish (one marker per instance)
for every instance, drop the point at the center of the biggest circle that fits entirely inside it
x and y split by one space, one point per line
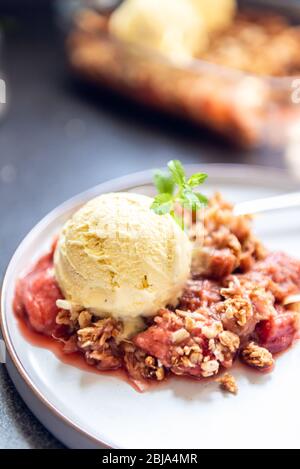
224 82
234 306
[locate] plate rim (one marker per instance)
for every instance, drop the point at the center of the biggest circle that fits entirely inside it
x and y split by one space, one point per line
123 183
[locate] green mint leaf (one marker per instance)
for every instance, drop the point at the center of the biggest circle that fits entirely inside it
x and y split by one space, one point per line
162 204
163 182
189 199
202 199
165 202
197 179
177 171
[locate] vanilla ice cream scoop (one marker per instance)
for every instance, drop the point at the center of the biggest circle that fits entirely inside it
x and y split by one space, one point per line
170 26
178 28
119 258
216 14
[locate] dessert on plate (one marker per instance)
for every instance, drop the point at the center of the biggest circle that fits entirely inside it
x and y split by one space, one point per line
175 285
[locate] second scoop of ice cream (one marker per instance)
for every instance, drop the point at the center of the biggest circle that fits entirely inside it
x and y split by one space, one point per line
180 29
117 257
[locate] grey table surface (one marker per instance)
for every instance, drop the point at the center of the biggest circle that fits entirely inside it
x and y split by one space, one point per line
59 138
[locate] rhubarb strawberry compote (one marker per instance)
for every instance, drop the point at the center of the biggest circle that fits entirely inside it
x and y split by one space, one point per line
236 303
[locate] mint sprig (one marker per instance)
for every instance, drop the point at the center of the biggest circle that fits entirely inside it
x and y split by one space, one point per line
164 182
174 188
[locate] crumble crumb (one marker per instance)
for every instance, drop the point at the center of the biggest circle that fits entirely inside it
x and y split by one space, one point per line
238 309
84 319
63 318
142 366
180 335
228 383
230 340
97 342
209 368
257 357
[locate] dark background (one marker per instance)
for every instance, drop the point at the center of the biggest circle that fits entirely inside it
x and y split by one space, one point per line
59 138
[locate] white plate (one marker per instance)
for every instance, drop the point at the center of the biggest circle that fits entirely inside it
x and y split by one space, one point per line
86 410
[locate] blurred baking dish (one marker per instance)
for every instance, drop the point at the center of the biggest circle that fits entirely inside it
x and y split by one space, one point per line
244 86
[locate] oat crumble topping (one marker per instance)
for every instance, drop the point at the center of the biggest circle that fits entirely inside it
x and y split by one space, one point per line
257 357
228 383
